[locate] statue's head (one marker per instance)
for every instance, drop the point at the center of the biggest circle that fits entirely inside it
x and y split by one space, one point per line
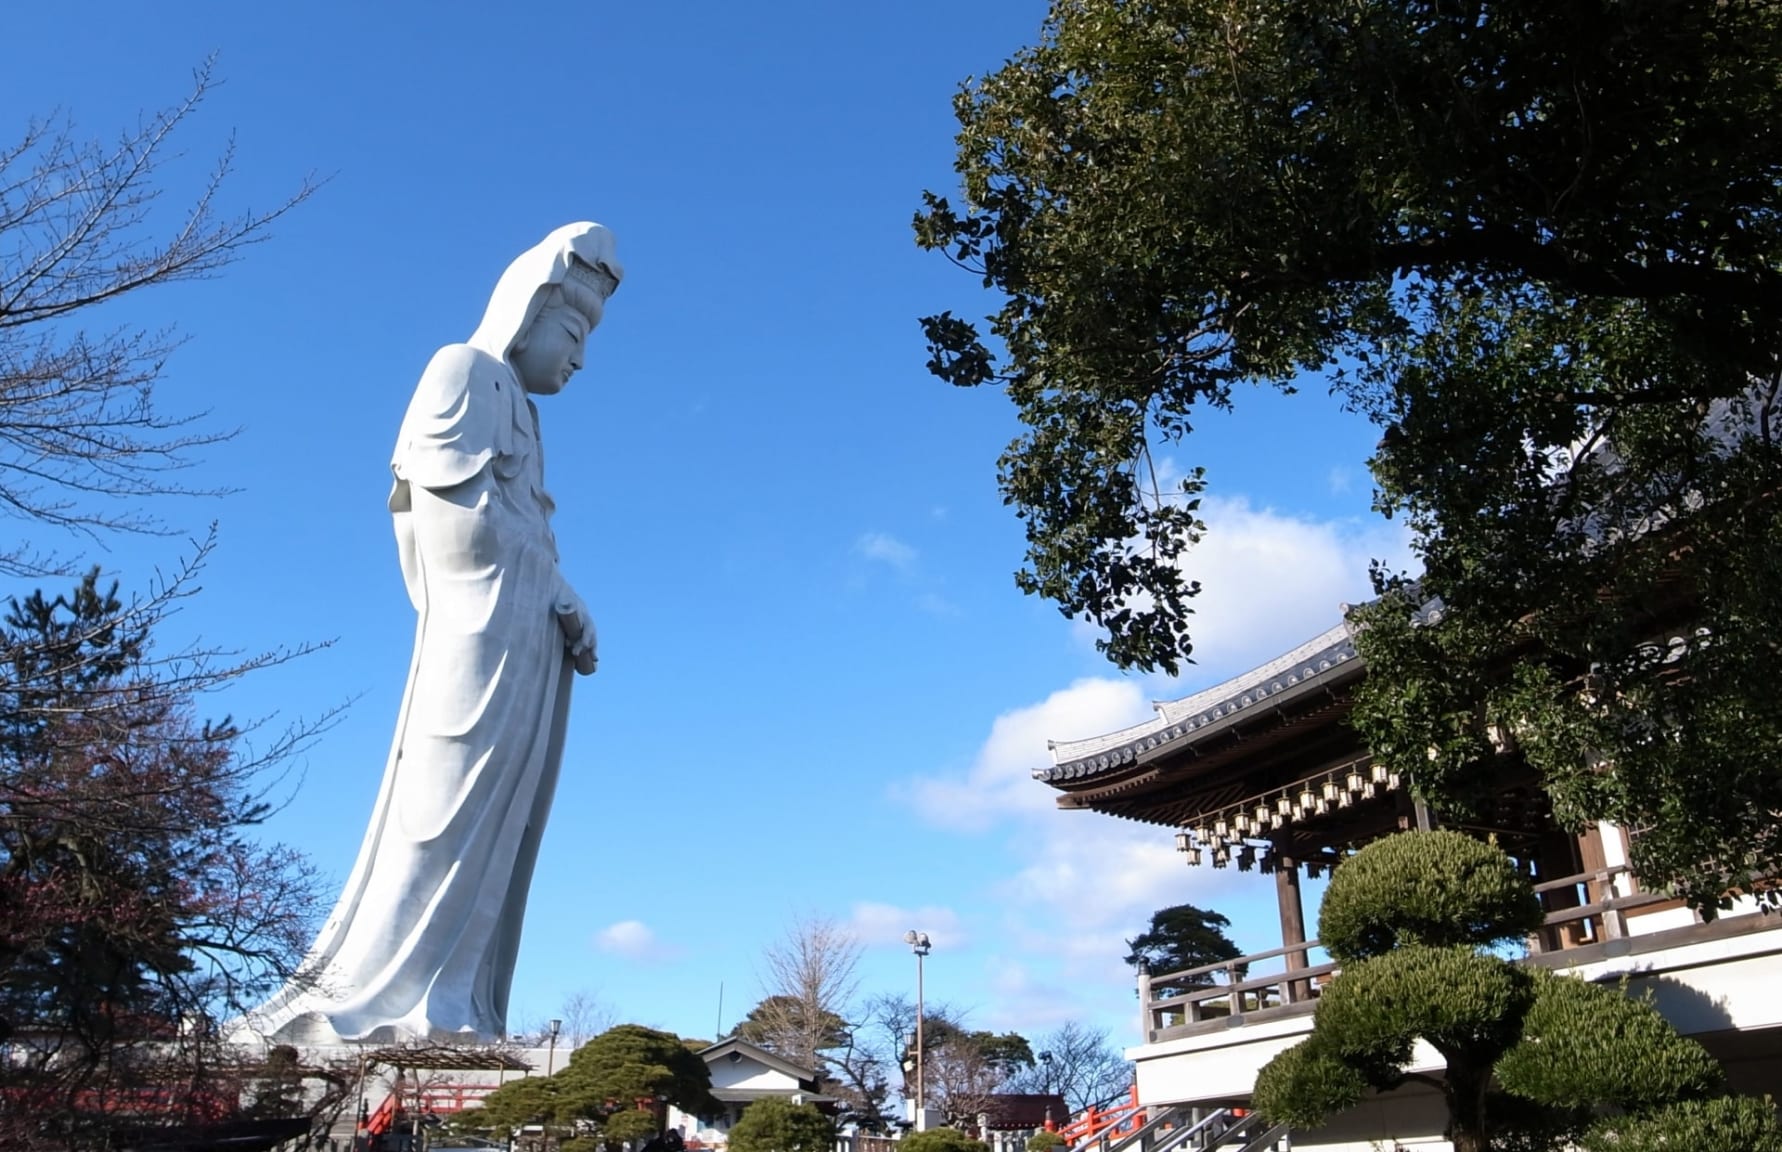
547 302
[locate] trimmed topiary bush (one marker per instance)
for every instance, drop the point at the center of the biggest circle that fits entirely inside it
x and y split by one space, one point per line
941 1140
1725 1124
1044 1142
1305 1084
1435 888
774 1124
1562 1060
1409 915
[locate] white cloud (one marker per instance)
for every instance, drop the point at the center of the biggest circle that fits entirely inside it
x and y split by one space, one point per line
878 924
1271 581
886 549
1086 882
634 940
1000 781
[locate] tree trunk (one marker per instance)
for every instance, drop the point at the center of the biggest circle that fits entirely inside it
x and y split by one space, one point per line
1465 1091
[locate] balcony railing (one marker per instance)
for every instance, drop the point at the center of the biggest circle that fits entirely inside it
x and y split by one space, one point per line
1230 992
1584 910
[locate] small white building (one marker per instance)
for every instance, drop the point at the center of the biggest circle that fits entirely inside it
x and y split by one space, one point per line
743 1073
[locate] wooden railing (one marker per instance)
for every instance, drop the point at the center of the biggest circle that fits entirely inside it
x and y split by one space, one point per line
1584 909
1228 991
1596 915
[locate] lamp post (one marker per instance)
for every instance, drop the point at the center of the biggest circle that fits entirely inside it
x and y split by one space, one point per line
551 1057
918 942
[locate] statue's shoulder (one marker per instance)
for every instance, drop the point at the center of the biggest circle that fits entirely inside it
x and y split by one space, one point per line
460 417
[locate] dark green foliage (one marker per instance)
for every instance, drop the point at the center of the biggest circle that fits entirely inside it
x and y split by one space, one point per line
1726 1124
631 1062
1044 1142
628 1124
603 1081
940 1140
1181 937
1305 1085
1563 1061
1436 889
1538 244
1456 999
776 1125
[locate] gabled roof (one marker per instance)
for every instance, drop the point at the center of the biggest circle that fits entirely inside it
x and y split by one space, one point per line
758 1054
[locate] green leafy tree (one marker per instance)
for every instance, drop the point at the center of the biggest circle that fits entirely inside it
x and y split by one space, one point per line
776 1125
1182 937
603 1082
1532 1059
1537 243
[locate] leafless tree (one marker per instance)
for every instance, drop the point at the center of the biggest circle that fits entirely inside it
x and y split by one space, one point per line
1079 1064
82 438
809 985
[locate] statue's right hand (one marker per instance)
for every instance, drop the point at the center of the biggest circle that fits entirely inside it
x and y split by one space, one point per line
578 636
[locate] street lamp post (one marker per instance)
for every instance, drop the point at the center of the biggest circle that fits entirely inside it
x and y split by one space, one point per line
551 1057
918 942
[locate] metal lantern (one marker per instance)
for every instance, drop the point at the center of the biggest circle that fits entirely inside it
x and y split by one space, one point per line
1194 855
1379 773
1183 841
1221 829
1246 858
1241 822
1284 806
1355 781
1220 857
1331 790
1264 818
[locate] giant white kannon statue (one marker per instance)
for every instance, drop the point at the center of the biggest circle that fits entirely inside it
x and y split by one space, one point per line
422 942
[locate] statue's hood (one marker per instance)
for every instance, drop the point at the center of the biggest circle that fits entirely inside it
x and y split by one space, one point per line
521 289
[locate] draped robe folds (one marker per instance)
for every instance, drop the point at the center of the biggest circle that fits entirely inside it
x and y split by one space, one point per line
423 940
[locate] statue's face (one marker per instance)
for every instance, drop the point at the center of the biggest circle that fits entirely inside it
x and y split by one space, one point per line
551 351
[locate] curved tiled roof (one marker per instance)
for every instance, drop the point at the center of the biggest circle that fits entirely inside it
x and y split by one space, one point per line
1180 719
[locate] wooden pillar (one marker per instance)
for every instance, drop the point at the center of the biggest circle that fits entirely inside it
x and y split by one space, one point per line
1293 922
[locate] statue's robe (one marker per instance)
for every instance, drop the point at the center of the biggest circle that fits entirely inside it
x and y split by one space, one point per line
423 939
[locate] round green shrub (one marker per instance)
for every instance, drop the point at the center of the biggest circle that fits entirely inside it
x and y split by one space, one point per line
1725 1124
1042 1141
1306 1085
1585 1045
1439 889
774 1124
1452 997
939 1140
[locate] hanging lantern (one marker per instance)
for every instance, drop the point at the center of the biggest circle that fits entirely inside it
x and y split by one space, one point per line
1220 828
1331 790
1246 858
1313 871
1184 841
1308 799
1344 800
1355 781
1392 782
1264 818
1194 856
1379 773
1284 806
1322 806
1220 857
1241 822
1201 834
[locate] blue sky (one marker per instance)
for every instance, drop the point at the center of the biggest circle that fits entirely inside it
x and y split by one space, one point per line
819 691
